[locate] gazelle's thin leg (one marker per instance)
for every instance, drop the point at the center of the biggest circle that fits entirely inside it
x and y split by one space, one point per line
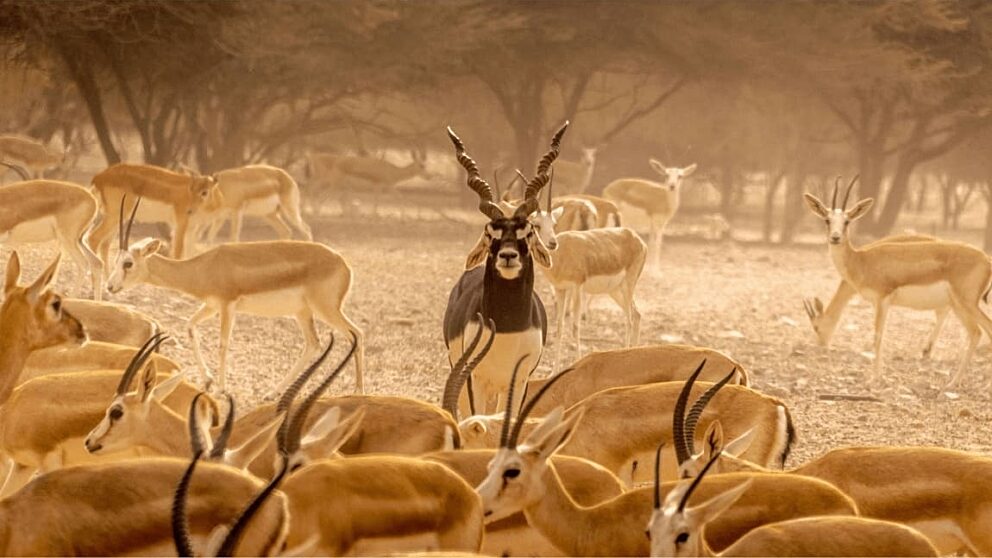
576 300
279 225
204 312
655 242
311 348
237 221
881 312
17 476
227 317
179 235
941 316
561 302
215 230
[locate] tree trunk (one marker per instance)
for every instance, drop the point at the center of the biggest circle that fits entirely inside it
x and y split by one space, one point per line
988 217
793 211
768 221
82 76
896 198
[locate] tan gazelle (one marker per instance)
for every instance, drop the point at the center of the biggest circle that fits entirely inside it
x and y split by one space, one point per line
298 279
923 275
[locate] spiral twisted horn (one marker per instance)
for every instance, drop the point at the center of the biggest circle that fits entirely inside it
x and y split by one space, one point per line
530 203
475 180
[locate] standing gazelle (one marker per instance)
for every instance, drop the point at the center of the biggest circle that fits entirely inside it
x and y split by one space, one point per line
921 275
276 278
502 289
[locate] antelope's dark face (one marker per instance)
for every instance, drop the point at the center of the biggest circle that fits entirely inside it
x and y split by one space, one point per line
509 243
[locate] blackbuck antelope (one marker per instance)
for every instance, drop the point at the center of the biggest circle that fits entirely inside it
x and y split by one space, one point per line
522 477
259 191
328 171
503 289
297 279
922 275
27 156
599 261
44 210
651 364
677 529
659 201
644 414
31 319
824 320
169 197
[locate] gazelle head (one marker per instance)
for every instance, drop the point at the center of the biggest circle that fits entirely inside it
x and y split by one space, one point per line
124 424
589 155
675 529
684 428
516 477
509 243
673 175
203 191
543 221
36 310
837 218
815 312
131 264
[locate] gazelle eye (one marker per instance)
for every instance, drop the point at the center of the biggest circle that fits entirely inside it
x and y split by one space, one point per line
57 305
682 538
128 265
511 473
116 413
647 533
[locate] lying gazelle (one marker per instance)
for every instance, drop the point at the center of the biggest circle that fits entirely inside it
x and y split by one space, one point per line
31 319
503 288
676 529
607 212
329 170
521 477
644 415
659 201
110 322
260 191
922 275
276 278
91 356
170 197
38 436
598 261
44 210
635 366
27 156
125 508
824 320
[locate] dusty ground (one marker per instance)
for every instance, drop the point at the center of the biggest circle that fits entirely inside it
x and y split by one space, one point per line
745 301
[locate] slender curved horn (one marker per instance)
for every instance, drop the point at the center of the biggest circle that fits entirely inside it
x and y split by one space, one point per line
295 429
18 169
220 444
193 423
461 370
475 181
230 543
138 360
678 417
692 419
180 524
696 481
287 398
530 404
120 224
533 188
850 187
504 435
657 476
833 200
130 223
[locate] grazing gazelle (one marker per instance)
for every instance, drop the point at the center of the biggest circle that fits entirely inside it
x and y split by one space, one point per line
659 201
170 197
303 280
43 210
27 155
329 170
31 318
260 191
503 288
922 275
677 529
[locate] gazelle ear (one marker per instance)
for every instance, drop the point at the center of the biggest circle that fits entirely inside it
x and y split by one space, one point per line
147 385
658 167
554 437
328 434
165 389
477 256
556 213
13 273
43 280
859 210
740 444
152 246
816 206
689 170
709 510
713 440
538 250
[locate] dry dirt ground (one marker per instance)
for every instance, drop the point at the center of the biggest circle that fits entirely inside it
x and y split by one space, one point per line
743 300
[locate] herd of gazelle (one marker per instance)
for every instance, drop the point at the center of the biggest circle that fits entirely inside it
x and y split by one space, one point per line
555 462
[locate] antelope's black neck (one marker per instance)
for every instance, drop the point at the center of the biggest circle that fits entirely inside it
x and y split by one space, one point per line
509 302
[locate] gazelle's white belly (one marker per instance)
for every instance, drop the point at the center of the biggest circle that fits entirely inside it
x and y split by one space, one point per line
37 230
261 207
273 304
945 534
923 297
152 211
603 284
